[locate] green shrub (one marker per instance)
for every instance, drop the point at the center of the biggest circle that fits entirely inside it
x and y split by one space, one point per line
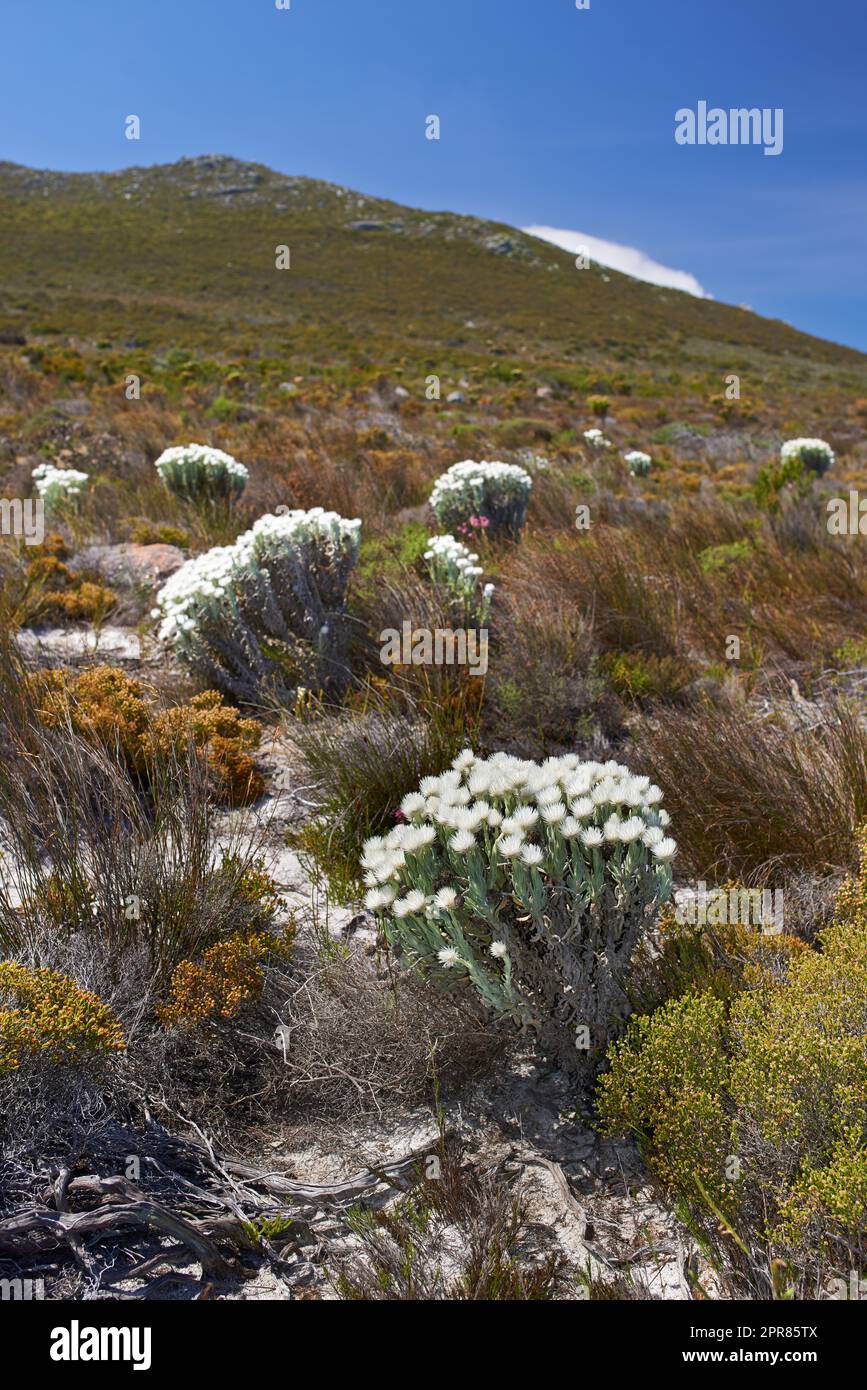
851 653
717 559
666 1087
381 557
701 957
144 532
522 430
641 677
224 408
788 478
598 406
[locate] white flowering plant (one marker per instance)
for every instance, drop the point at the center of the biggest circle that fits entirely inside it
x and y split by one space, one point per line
814 454
596 439
59 488
529 883
499 492
198 473
638 463
269 611
455 569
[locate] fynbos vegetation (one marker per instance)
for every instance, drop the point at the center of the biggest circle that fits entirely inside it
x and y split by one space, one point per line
433 699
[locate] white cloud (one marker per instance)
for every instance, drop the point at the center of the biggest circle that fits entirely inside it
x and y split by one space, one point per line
627 259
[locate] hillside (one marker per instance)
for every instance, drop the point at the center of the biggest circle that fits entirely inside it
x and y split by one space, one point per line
176 253
168 273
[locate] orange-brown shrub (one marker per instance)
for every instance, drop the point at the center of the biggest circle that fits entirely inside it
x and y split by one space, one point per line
229 975
108 706
44 589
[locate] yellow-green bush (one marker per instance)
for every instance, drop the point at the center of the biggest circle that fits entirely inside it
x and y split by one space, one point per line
756 1104
799 1049
827 1200
666 1087
44 1014
253 889
144 532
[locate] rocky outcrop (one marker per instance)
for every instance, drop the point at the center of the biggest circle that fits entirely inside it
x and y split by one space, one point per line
129 565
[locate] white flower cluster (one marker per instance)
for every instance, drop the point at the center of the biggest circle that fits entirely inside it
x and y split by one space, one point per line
814 454
274 533
455 568
507 861
638 463
200 584
596 439
59 488
196 471
205 591
499 492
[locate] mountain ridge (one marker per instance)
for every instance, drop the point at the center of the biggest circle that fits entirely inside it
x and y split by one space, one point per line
357 262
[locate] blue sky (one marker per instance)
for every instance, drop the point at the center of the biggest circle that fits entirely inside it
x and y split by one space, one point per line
550 116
